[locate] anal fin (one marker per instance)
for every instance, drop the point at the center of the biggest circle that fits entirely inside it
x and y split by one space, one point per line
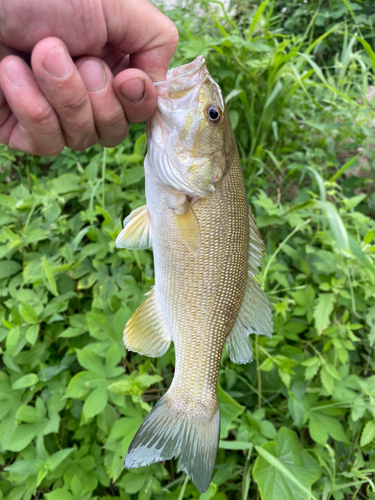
254 316
136 234
145 332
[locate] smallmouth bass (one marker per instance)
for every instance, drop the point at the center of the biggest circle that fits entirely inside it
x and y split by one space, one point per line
207 249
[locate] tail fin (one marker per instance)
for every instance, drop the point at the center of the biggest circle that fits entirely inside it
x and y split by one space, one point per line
167 434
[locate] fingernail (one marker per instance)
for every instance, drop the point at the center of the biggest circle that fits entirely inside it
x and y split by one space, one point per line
18 73
57 63
93 75
133 90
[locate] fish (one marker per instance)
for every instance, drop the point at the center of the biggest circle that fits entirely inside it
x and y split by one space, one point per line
207 250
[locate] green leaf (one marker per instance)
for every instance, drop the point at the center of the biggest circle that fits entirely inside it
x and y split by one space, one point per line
323 310
27 381
49 275
26 467
32 334
27 413
59 494
95 402
370 320
65 183
283 470
8 268
24 434
79 385
7 201
229 411
28 313
56 459
368 433
320 425
367 47
91 361
357 251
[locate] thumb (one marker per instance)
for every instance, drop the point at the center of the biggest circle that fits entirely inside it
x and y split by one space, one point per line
137 28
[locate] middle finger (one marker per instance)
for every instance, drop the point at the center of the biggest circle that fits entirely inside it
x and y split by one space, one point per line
62 85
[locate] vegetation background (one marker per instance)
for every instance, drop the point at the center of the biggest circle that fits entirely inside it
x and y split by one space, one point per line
299 422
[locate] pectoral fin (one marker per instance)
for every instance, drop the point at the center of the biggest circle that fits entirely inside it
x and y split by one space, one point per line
188 229
145 331
254 316
136 234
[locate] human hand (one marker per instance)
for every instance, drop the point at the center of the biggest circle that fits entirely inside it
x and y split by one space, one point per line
119 47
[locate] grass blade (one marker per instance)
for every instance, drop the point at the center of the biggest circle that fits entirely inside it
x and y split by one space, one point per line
368 49
257 15
347 165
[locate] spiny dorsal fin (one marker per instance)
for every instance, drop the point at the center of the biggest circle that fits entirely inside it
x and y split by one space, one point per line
136 234
256 246
254 316
188 229
145 332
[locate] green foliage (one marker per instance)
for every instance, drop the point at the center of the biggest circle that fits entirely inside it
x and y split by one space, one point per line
299 422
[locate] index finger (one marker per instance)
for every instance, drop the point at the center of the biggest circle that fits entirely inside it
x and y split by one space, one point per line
137 28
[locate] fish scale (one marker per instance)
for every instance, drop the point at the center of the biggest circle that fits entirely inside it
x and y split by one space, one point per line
206 250
199 339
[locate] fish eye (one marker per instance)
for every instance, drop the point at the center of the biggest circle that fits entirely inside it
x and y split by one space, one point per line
214 114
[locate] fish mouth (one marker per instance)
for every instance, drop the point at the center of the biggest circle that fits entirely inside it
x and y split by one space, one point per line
186 70
181 80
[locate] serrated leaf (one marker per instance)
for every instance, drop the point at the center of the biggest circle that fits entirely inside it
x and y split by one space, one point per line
323 310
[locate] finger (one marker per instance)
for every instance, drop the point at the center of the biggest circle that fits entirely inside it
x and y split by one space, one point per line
7 120
139 29
116 61
136 93
62 85
32 126
108 113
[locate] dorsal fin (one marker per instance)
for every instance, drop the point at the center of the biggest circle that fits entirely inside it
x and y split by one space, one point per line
256 246
136 234
254 316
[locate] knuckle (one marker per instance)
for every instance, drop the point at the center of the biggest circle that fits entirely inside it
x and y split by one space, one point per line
43 117
75 104
82 142
173 35
5 113
111 140
50 150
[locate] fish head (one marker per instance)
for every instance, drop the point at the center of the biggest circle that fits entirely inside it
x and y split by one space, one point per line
190 135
